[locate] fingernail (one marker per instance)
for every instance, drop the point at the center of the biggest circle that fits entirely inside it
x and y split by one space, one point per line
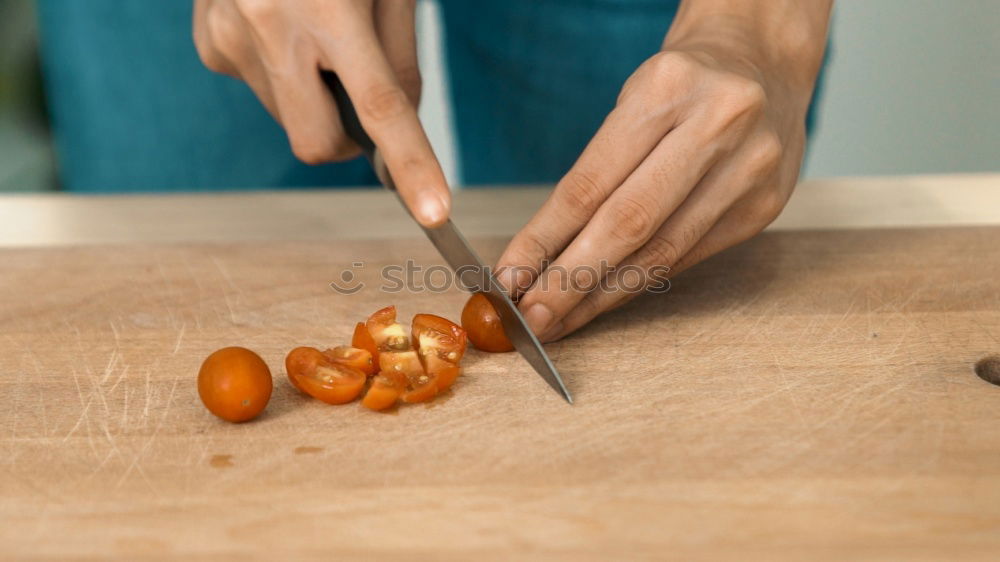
433 209
539 318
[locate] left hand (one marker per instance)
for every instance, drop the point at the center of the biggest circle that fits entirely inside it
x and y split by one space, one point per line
701 152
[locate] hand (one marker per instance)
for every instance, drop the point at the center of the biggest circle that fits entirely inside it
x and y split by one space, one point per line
700 153
279 47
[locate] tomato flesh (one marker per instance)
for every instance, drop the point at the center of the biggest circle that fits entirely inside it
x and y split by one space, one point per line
387 334
482 324
434 335
314 373
384 392
360 359
444 372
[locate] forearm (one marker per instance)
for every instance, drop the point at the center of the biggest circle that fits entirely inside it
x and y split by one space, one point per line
788 36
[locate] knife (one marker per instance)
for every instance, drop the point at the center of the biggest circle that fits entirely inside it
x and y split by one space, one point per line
456 251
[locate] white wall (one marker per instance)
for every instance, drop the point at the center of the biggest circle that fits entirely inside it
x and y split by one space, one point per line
913 86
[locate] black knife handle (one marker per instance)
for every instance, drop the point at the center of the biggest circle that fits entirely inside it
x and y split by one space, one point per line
348 115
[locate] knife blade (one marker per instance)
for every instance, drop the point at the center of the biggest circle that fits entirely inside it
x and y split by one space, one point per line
472 273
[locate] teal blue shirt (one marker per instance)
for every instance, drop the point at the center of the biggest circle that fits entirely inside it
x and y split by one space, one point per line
133 108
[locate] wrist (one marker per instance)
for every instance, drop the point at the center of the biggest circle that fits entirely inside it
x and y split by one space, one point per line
783 40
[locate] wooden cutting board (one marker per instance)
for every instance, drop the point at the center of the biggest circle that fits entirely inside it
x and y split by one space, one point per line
805 395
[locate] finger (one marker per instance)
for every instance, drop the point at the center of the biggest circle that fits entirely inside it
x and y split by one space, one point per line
391 120
620 226
627 136
742 222
676 243
395 26
289 80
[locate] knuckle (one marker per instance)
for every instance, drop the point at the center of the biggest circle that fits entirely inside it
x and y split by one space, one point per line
580 194
671 63
221 33
211 58
257 11
661 250
767 206
531 248
411 81
742 95
383 103
313 150
631 220
767 153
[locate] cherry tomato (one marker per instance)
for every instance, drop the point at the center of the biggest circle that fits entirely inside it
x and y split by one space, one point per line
234 383
363 340
302 360
360 359
422 389
444 372
401 362
388 334
482 324
384 391
318 376
433 335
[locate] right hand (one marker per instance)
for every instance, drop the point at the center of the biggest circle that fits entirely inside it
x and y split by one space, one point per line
278 47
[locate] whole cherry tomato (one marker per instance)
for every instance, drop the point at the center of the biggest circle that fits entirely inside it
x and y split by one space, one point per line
482 324
235 384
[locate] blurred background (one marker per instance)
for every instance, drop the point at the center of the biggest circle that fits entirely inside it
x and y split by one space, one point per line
913 86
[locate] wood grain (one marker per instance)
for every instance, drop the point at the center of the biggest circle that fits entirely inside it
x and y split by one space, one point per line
808 395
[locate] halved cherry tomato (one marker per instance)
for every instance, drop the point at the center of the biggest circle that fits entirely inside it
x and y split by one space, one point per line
482 324
363 340
384 391
433 335
318 376
360 359
443 371
388 334
302 360
234 383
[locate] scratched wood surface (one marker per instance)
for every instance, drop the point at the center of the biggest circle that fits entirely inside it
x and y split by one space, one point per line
805 395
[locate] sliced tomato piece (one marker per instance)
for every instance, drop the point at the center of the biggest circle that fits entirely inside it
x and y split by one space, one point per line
384 391
363 340
302 360
405 363
421 389
418 385
434 335
360 359
388 334
444 372
317 375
